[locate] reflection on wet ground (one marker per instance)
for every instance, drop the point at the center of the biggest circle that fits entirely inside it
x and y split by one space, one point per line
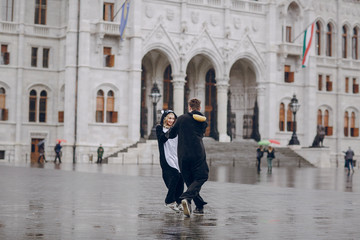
89 201
336 179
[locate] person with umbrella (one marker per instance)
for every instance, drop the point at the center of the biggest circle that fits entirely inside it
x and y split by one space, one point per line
41 150
270 156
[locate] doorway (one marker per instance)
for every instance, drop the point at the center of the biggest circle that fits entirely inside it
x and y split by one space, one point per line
35 149
210 104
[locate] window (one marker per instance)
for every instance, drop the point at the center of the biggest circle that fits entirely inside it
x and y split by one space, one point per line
34 51
346 84
46 57
319 118
328 129
355 44
168 89
288 34
354 132
108 58
289 121
329 41
7 10
111 115
282 117
40 12
3 110
288 76
328 84
320 82
32 106
318 39
61 116
5 55
344 42
100 106
2 155
355 86
108 12
42 106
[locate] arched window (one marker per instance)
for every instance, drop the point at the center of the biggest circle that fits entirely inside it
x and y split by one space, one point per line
319 117
282 117
329 41
100 106
328 128
111 115
42 106
344 42
32 106
318 39
355 44
289 121
168 89
354 132
3 110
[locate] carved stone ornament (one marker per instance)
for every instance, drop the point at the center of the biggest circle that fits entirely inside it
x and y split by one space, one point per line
214 20
149 12
170 14
237 23
194 17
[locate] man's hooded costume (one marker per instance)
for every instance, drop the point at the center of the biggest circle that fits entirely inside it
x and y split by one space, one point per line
169 161
190 128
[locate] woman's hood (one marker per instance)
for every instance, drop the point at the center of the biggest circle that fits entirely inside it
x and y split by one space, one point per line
164 114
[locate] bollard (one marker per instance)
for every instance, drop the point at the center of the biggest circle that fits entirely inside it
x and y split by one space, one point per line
137 159
122 159
152 159
278 163
299 163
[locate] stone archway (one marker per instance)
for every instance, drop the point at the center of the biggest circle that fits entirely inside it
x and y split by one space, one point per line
242 94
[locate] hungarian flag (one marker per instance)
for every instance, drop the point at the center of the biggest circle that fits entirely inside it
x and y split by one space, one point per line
124 17
308 36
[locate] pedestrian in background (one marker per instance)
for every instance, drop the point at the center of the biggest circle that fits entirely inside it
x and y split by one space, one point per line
100 152
57 150
42 152
270 156
169 161
349 155
259 155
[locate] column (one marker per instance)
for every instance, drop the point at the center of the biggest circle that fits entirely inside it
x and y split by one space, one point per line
178 98
134 80
222 97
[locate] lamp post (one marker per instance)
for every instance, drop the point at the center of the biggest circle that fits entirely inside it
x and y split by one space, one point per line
294 107
155 97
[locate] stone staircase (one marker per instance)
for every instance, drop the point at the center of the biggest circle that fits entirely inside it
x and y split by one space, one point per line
243 153
239 153
142 152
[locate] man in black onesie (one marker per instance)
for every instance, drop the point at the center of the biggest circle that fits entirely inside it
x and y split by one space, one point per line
190 128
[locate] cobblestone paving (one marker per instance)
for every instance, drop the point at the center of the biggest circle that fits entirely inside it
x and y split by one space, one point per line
107 202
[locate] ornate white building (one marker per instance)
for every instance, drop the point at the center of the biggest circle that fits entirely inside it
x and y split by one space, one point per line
65 74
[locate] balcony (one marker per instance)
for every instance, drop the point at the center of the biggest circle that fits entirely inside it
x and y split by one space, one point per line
290 49
108 28
9 27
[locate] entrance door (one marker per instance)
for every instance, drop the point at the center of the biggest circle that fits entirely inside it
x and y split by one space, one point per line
35 149
210 103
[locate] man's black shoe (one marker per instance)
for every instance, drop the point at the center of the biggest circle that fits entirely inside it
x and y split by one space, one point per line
199 211
187 207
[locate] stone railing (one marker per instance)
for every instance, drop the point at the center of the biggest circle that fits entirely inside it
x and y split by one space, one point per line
8 27
290 49
108 28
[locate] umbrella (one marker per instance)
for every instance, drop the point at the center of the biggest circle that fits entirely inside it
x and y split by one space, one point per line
264 142
41 142
61 140
274 141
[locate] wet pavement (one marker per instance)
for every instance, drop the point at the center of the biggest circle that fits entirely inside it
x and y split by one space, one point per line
89 201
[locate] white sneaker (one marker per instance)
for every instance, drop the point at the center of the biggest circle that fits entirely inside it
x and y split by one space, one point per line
180 207
173 206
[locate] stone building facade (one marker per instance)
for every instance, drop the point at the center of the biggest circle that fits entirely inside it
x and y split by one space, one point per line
66 74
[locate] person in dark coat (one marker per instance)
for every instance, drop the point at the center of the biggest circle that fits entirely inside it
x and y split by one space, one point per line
42 152
100 152
190 128
270 156
349 155
57 150
259 155
169 161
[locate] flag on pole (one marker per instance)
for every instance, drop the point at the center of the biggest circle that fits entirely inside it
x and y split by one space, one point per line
124 17
308 36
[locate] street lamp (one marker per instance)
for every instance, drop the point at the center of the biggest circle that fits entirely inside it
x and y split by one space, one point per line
155 97
294 107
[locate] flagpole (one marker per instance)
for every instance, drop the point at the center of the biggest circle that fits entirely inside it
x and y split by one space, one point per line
122 5
302 32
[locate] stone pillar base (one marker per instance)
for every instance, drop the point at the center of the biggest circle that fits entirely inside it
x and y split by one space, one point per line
224 138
